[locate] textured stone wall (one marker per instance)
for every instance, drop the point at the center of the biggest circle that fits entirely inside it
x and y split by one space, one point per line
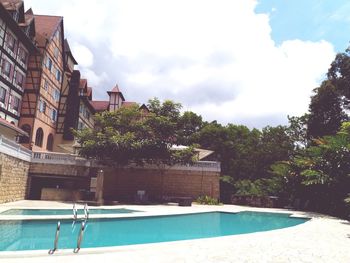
122 184
14 180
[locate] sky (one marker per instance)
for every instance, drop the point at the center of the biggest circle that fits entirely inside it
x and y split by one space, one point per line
250 62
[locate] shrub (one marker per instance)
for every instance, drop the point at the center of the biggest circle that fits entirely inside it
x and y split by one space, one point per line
207 200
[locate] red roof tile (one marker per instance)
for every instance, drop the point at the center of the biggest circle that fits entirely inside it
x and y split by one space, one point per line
128 104
89 91
116 90
11 4
99 105
46 26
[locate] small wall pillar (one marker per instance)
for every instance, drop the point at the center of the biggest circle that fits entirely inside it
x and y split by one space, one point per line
99 187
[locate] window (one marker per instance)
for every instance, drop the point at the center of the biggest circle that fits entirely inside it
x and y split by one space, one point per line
56 52
49 63
80 125
87 114
2 94
56 95
22 55
46 84
42 106
49 145
53 115
15 103
81 108
6 67
57 34
15 15
39 137
58 75
19 79
10 41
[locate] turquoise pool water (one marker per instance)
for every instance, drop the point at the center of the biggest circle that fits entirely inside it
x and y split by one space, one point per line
39 234
38 212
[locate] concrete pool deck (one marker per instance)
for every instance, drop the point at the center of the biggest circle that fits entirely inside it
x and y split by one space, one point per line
321 239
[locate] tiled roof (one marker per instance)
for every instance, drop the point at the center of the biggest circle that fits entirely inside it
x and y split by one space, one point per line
128 104
99 105
46 26
11 4
89 91
116 90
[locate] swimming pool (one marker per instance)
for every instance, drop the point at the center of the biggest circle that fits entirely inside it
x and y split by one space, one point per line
39 234
36 212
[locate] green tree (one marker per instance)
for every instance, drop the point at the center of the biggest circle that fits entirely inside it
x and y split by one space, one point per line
326 111
297 131
189 125
339 73
322 171
125 137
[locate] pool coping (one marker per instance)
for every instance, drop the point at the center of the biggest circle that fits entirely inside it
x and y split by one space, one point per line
125 248
176 211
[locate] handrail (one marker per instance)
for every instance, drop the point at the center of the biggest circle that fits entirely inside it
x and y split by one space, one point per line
55 244
80 237
86 211
75 212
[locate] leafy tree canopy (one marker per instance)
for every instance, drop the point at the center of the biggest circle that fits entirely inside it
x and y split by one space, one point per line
125 136
326 111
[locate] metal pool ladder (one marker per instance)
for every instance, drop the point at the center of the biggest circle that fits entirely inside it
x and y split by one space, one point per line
75 212
55 244
80 237
86 212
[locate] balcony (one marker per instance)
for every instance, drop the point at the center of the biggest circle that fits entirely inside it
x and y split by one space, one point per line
14 149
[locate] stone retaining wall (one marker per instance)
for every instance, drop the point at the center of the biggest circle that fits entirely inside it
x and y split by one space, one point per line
14 178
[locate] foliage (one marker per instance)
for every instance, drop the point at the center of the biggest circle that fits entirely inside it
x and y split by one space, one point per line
322 171
297 131
259 187
339 74
189 124
125 137
207 200
326 111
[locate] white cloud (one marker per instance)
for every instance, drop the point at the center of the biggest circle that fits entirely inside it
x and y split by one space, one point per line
83 55
215 57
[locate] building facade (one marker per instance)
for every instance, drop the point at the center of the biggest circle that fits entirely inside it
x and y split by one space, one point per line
17 33
39 115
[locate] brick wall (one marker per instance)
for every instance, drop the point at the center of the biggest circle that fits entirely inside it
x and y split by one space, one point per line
14 178
122 184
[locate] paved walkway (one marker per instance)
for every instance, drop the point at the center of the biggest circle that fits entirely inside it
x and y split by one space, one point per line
322 239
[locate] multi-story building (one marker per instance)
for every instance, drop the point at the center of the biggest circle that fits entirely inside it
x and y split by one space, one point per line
17 32
78 105
39 114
